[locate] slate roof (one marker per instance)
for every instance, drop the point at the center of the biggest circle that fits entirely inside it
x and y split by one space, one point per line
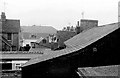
39 31
27 35
11 26
77 42
90 35
39 50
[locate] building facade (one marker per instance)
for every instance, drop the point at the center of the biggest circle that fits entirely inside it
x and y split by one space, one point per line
9 33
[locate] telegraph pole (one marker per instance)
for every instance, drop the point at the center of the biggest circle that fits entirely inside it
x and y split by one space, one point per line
4 6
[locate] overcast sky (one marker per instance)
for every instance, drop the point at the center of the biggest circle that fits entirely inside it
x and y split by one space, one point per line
60 13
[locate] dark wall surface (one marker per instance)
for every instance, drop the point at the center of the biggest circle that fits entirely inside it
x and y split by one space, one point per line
7 66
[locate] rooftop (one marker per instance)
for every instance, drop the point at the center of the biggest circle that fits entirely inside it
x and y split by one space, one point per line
9 25
38 29
77 42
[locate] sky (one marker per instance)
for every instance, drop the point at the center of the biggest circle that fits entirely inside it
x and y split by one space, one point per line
60 13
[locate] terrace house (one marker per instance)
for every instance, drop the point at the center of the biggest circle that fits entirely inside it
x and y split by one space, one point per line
9 34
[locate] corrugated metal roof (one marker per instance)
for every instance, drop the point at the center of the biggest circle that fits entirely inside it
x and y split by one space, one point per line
77 42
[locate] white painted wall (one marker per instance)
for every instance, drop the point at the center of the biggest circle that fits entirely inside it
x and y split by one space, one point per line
28 41
16 64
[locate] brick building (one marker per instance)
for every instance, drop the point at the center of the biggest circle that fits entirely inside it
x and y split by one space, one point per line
9 33
88 24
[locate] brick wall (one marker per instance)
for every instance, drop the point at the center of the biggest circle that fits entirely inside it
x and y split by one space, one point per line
16 40
88 24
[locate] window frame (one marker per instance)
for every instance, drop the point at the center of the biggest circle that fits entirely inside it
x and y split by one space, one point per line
9 36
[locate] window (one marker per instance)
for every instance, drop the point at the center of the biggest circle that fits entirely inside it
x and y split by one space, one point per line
44 41
9 36
18 66
33 36
94 49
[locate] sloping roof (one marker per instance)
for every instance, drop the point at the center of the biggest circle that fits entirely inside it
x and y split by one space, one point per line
95 33
27 35
49 55
19 55
77 42
39 50
38 29
11 26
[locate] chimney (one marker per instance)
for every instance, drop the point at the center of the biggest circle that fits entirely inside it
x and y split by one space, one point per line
3 17
78 28
78 24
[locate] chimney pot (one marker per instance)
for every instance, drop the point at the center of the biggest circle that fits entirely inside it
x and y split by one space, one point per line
3 17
